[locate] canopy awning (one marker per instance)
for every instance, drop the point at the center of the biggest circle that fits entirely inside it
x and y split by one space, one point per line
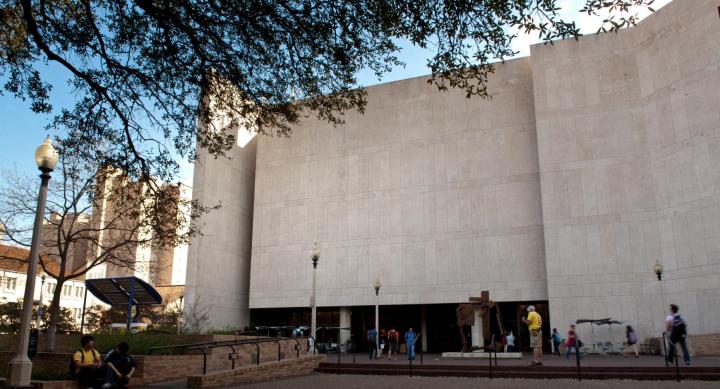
119 291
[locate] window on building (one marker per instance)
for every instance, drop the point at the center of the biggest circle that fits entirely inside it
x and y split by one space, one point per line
50 288
67 290
11 283
78 292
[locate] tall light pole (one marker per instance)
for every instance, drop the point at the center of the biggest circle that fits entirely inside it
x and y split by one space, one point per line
20 366
376 286
658 269
313 326
41 308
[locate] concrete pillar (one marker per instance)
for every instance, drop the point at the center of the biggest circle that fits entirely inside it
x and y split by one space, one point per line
477 331
345 321
218 262
423 328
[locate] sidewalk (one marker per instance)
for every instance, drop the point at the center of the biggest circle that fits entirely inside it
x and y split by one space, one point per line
334 381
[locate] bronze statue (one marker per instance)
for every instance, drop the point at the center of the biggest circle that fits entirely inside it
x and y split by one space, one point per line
465 314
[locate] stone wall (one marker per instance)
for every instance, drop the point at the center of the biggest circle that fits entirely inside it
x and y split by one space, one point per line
162 368
266 371
628 131
704 345
218 264
436 194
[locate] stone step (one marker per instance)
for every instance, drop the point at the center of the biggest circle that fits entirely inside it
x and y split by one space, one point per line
597 373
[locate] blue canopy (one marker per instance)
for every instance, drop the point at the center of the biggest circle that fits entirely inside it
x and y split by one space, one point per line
119 291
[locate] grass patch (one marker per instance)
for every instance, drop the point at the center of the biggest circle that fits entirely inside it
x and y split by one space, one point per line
140 344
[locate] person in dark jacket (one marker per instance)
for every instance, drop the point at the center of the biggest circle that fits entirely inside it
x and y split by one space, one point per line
120 367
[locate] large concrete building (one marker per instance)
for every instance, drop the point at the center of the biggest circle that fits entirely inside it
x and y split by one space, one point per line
592 161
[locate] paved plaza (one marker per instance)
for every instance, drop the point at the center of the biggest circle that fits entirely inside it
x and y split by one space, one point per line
351 381
332 381
548 360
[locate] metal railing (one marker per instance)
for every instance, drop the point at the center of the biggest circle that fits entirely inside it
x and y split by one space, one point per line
233 355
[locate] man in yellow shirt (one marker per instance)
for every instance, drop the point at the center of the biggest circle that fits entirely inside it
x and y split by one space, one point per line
534 323
87 363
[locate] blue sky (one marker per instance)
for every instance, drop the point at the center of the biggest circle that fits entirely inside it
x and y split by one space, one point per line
23 130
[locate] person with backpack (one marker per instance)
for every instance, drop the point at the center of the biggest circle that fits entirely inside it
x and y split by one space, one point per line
393 342
86 363
572 342
372 342
556 340
631 339
120 367
677 331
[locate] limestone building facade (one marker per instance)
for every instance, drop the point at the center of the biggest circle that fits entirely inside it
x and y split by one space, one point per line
592 161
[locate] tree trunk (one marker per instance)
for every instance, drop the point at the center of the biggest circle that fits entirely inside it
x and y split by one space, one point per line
54 313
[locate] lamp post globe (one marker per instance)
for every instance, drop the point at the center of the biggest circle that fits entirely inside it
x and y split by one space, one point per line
658 269
46 157
20 366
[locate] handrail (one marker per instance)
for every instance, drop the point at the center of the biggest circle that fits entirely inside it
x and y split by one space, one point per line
183 347
489 350
578 356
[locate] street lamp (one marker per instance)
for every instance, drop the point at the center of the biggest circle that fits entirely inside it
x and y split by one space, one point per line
658 269
313 326
41 308
376 286
20 367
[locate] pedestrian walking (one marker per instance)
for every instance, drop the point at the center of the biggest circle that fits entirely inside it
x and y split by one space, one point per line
372 342
631 339
677 331
393 341
556 340
510 340
571 342
534 323
410 338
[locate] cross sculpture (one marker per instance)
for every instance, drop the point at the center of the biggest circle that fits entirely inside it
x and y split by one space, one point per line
465 314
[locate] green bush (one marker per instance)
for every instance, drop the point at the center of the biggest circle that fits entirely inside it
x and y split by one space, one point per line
141 343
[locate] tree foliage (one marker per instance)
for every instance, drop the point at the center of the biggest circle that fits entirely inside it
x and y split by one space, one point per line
144 70
94 217
11 317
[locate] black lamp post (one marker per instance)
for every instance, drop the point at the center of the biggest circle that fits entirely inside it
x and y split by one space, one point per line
376 286
315 257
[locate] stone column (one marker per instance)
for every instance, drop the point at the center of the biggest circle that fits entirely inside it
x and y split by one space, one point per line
345 321
477 331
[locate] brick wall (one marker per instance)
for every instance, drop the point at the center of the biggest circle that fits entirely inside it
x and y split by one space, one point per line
706 345
57 362
306 364
161 368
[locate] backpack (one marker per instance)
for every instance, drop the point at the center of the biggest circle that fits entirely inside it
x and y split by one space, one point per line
632 338
73 367
679 330
556 337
